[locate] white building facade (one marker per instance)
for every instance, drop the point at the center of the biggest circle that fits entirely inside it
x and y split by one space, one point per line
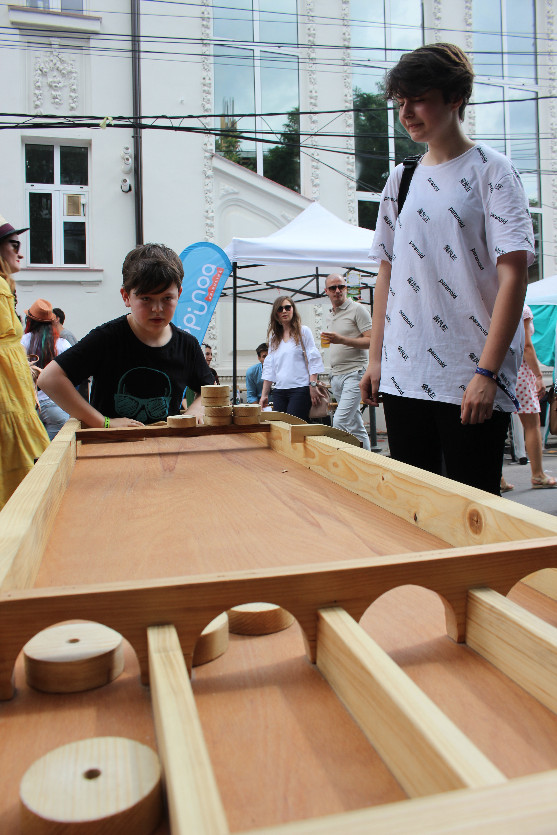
250 109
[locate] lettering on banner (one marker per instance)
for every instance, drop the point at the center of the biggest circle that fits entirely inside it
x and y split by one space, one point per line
206 283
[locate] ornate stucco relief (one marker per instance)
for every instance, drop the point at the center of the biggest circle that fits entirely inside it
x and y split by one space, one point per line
313 97
349 115
437 21
55 81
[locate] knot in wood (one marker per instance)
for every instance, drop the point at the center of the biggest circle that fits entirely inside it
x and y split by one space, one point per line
475 520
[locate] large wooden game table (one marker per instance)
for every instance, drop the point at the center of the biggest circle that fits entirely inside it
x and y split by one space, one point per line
416 691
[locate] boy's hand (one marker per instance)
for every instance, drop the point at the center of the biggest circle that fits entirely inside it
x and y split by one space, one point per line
477 403
369 384
119 423
264 400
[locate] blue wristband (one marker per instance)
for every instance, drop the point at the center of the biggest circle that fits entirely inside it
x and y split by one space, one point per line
485 372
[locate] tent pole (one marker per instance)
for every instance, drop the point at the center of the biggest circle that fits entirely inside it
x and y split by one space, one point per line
234 330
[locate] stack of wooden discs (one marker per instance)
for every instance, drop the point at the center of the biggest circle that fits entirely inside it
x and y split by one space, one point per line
248 414
216 401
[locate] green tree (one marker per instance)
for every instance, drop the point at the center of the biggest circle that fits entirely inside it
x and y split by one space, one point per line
371 140
281 162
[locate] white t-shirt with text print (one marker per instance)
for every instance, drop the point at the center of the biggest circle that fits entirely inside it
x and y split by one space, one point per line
458 217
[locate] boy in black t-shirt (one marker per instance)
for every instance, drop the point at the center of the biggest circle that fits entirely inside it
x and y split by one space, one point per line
140 363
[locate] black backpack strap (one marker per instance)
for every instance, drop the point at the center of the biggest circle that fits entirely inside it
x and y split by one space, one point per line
410 164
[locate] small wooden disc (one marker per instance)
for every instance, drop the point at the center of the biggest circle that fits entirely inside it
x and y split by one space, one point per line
247 409
246 420
218 411
209 420
181 421
212 642
258 619
72 657
104 784
215 395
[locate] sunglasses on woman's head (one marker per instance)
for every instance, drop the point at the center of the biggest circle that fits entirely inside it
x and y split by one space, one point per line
16 245
284 307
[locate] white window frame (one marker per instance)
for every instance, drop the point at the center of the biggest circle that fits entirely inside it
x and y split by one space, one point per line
54 6
257 48
58 191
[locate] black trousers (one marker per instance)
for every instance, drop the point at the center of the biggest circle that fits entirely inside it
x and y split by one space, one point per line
296 401
431 436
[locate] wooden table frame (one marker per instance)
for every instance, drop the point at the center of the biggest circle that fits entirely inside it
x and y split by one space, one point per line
492 545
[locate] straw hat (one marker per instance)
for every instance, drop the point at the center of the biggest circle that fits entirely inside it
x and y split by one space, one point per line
7 229
41 311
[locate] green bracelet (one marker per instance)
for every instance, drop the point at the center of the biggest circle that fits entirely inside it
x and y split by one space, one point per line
107 423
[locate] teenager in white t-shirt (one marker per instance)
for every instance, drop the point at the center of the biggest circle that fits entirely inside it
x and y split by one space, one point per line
446 343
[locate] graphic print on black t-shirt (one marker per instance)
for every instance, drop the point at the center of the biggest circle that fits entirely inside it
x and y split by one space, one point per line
130 400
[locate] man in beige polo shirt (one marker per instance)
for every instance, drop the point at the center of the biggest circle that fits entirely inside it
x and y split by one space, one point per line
348 332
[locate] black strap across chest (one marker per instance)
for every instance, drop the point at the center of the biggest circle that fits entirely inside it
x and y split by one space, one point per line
410 164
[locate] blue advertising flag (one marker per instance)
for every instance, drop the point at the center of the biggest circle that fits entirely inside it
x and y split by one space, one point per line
206 268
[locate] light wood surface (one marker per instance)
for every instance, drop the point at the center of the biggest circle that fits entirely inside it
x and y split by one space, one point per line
342 549
258 619
28 516
105 784
515 641
69 658
425 751
212 642
524 807
215 395
194 803
459 514
298 434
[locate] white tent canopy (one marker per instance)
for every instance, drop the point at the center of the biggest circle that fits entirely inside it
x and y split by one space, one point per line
316 240
542 292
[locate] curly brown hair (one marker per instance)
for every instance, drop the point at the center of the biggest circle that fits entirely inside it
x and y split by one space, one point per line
275 331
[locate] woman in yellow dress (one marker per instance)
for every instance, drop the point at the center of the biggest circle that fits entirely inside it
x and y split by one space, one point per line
22 436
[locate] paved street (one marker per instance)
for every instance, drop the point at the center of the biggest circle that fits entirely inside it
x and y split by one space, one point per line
520 475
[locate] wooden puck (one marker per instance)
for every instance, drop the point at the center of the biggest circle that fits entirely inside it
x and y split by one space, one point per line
182 421
246 420
104 784
258 619
218 411
215 395
212 642
209 420
247 409
72 657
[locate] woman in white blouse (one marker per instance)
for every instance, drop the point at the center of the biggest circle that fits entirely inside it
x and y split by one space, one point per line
293 362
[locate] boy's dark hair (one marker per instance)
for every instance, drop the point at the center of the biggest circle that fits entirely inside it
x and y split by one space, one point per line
439 66
261 348
151 268
60 313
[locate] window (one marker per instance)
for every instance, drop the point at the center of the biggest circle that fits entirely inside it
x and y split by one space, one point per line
506 94
72 6
57 189
255 79
380 33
